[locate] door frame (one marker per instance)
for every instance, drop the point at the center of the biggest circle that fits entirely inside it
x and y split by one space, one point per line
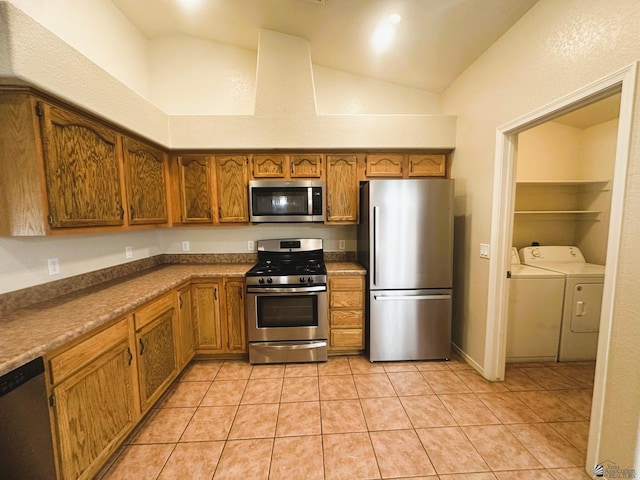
504 186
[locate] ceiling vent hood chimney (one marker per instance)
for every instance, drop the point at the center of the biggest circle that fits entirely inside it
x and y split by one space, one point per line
284 79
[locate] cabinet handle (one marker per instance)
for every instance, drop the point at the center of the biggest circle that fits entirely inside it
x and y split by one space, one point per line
209 214
50 219
241 294
180 299
121 213
215 294
141 347
219 213
292 168
132 212
130 355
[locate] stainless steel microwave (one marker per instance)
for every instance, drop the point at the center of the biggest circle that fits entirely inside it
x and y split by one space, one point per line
292 201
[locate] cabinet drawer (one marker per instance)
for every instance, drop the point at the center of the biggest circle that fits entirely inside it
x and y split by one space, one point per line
347 338
346 299
71 360
153 310
346 319
346 283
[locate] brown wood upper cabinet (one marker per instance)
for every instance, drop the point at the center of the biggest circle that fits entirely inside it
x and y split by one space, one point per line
426 166
194 190
231 188
390 165
210 189
286 167
384 165
342 189
82 168
146 182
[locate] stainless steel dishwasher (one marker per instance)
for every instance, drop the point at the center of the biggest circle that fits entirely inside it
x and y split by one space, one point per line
26 449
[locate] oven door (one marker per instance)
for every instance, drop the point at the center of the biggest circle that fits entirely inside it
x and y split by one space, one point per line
285 314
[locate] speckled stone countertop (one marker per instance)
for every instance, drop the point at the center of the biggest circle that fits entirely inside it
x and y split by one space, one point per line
31 332
345 268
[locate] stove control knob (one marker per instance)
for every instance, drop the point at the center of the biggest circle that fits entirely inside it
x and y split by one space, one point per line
302 280
310 279
269 280
261 280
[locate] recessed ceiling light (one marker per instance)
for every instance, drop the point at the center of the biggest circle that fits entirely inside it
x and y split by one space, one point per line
385 32
395 19
190 3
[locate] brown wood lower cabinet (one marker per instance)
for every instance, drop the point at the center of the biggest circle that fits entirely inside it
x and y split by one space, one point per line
346 313
186 328
101 384
218 308
93 400
155 335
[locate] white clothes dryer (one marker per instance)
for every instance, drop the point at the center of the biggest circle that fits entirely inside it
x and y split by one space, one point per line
535 313
582 297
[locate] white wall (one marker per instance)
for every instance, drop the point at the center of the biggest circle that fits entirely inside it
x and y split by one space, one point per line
23 261
192 76
98 30
549 152
556 48
339 92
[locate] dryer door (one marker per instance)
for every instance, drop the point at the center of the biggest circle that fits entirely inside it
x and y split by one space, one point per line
587 303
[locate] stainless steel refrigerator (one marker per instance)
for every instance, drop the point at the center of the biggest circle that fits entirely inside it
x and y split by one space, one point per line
405 241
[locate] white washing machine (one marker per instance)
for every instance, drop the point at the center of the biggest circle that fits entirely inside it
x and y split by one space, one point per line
535 313
582 298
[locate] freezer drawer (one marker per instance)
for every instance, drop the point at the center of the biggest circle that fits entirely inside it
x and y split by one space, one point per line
409 325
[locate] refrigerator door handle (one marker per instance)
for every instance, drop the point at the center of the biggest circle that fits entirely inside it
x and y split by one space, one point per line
411 297
376 239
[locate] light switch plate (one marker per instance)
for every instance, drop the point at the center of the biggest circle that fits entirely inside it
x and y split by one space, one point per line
341 244
128 252
185 246
485 248
250 245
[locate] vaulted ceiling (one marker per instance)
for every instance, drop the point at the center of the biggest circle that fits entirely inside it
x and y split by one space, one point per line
434 42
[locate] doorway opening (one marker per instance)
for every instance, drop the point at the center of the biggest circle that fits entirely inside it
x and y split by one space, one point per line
505 176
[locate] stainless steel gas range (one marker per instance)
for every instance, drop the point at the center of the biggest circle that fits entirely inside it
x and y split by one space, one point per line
287 302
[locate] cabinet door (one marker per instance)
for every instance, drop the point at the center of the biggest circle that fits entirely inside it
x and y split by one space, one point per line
146 180
156 357
306 166
93 411
231 188
268 166
427 166
195 190
342 188
82 165
384 165
236 337
185 327
206 310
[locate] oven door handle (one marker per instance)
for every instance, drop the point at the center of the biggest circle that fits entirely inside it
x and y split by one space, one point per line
269 290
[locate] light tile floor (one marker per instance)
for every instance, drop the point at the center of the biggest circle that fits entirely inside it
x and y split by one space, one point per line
350 419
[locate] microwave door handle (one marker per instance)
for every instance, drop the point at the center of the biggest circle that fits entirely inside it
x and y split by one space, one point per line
309 201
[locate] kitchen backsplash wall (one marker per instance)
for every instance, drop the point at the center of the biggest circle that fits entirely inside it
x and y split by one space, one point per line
23 261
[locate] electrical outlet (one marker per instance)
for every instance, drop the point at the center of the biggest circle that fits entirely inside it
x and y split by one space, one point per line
485 248
128 252
250 245
185 246
54 266
341 244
